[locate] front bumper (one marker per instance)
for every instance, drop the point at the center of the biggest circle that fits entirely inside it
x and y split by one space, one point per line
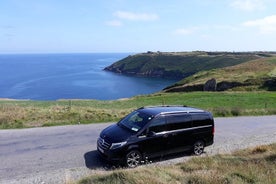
114 155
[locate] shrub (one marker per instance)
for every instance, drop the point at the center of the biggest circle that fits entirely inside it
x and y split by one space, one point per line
221 111
260 149
236 111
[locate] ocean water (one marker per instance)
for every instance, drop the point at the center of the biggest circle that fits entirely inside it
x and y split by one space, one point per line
70 76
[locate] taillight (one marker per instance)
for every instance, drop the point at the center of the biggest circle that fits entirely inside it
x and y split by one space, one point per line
213 130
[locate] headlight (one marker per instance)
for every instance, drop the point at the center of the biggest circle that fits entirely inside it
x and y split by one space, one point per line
117 145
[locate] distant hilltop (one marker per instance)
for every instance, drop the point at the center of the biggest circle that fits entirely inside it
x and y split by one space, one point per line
178 65
189 67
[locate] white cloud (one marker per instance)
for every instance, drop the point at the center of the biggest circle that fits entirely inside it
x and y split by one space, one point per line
248 5
115 23
266 25
136 16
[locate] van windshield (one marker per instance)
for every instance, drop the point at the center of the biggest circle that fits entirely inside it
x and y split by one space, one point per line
135 121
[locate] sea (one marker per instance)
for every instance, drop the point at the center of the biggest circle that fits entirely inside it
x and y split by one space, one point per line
70 76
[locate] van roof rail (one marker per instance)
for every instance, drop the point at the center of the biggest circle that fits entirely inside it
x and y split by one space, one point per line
162 106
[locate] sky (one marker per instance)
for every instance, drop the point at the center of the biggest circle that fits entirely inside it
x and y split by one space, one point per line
89 26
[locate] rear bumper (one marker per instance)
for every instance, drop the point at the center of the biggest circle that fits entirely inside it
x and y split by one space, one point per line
209 141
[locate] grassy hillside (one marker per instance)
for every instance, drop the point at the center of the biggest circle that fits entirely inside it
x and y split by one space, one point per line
180 64
259 74
256 165
245 72
18 114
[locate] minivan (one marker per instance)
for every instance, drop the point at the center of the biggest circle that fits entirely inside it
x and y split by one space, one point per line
150 132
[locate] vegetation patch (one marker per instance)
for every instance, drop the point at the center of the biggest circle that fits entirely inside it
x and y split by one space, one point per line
22 114
260 149
252 75
243 167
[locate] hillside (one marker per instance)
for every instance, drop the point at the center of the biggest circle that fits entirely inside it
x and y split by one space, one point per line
259 74
252 165
179 65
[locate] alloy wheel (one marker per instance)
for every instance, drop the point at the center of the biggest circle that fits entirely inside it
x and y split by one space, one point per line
198 148
133 158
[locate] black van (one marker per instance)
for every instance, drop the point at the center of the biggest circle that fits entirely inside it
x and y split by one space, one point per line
154 131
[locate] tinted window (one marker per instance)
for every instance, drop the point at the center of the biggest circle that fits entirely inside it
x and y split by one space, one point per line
135 120
201 119
158 124
179 121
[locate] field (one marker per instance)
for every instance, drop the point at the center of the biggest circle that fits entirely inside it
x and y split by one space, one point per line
253 75
256 165
22 114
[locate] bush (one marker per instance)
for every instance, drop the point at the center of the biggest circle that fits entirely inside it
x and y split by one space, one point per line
260 149
236 111
221 111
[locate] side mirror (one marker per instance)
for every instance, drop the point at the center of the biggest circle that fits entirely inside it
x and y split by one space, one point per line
151 134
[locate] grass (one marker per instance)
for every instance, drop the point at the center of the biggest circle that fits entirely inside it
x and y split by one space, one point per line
252 75
178 65
21 114
255 165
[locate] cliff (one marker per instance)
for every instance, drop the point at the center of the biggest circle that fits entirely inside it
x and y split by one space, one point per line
179 65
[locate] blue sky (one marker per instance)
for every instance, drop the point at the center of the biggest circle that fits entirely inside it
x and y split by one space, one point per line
64 26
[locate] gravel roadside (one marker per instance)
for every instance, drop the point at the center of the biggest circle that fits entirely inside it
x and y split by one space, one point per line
231 134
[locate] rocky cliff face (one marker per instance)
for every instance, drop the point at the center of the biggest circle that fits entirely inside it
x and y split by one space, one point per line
155 72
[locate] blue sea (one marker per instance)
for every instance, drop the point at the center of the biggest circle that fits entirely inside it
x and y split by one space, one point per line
70 76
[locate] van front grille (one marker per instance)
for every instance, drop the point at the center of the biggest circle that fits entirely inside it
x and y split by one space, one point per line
103 144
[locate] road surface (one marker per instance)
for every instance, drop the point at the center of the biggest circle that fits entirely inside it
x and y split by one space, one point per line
61 154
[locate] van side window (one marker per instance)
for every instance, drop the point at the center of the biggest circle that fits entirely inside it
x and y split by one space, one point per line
201 120
179 121
158 124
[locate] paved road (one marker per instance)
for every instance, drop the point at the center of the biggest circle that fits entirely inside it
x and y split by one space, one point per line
31 152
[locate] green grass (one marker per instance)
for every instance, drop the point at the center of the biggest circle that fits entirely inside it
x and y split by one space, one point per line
20 114
251 75
178 64
273 73
256 165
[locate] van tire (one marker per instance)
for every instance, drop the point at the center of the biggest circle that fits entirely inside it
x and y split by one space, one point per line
133 158
198 148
